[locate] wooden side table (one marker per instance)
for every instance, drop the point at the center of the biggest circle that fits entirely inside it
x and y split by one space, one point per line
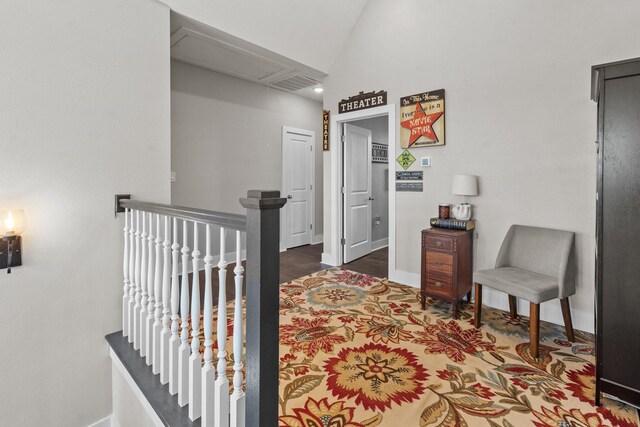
447 265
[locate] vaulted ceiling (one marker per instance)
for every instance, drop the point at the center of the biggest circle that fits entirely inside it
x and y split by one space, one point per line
311 32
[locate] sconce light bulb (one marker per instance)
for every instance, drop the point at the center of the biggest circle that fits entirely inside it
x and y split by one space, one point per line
9 224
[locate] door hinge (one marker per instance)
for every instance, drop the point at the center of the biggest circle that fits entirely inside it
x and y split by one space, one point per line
343 241
311 187
343 138
342 190
311 148
310 226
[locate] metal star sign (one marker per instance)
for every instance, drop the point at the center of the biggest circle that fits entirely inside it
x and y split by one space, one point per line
405 159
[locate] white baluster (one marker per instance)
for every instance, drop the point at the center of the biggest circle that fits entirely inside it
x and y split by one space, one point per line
142 340
132 278
148 333
208 372
195 362
157 323
166 306
174 343
136 308
125 272
184 351
221 399
238 398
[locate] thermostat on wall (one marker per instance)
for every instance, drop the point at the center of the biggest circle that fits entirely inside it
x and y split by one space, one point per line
425 162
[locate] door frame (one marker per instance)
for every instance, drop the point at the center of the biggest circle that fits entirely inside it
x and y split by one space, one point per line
312 156
336 255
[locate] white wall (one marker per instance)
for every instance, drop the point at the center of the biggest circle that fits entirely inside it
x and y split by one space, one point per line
311 32
85 108
517 80
227 138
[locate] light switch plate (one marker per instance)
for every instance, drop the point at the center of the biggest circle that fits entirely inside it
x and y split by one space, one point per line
425 162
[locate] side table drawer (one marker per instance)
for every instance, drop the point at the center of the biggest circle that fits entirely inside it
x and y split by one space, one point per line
439 263
438 242
439 285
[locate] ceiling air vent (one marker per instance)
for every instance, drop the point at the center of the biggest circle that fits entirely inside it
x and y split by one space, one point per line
293 83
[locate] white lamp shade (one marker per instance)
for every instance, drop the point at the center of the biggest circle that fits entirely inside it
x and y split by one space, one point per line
12 223
465 185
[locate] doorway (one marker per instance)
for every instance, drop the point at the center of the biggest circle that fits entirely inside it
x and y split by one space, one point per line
333 253
298 177
365 180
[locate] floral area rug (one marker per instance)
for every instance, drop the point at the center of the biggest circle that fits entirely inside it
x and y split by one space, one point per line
359 351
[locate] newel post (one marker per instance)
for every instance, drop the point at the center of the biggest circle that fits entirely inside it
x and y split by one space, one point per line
263 280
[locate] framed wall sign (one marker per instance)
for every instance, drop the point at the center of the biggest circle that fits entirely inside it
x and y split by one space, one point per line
362 101
379 153
325 130
409 186
408 175
422 119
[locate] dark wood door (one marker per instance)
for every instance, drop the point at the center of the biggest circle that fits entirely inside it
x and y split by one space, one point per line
620 287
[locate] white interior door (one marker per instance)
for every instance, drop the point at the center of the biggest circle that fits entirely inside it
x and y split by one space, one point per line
357 192
297 182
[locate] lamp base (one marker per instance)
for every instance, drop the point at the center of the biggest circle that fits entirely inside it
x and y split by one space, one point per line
10 252
462 211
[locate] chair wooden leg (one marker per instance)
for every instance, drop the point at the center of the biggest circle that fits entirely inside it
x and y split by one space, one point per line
513 307
534 328
566 314
478 306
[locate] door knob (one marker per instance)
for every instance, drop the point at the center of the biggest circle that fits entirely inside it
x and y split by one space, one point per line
371 198
289 196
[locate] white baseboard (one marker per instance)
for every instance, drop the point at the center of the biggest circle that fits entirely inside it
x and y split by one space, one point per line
105 422
379 244
317 239
329 259
405 278
550 311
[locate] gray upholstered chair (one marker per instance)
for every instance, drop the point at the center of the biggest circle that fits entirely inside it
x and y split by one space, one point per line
536 264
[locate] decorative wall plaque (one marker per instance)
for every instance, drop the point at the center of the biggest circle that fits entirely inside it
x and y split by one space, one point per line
362 101
379 153
408 175
325 130
422 119
409 186
405 159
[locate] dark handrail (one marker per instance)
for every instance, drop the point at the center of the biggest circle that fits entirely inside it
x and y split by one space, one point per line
222 219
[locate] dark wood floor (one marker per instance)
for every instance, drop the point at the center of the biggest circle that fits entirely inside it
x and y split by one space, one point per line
302 261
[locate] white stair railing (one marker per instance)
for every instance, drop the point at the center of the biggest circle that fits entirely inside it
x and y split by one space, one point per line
125 272
157 284
195 362
174 342
136 307
208 372
148 333
142 339
132 280
238 398
184 352
166 306
221 394
157 301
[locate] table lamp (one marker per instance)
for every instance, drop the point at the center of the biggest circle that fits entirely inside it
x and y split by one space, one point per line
464 185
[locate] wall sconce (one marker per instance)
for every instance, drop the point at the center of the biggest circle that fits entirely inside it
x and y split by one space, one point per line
12 224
